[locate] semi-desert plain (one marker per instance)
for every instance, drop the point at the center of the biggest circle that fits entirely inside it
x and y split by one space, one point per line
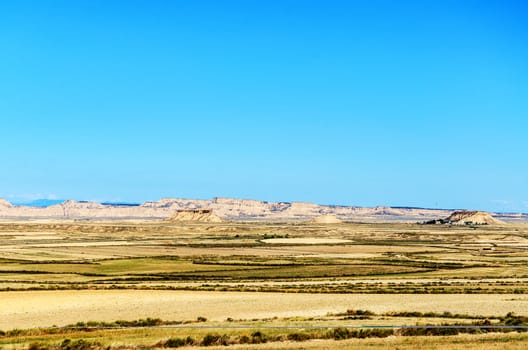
311 280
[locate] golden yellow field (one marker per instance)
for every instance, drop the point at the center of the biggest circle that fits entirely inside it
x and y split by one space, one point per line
47 308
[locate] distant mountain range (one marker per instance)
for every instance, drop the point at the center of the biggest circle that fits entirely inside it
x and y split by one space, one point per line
43 203
40 203
226 209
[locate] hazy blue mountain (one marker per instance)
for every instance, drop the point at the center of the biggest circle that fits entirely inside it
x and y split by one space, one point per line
42 203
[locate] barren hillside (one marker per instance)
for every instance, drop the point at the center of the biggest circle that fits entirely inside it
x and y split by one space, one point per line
473 217
195 215
468 217
229 209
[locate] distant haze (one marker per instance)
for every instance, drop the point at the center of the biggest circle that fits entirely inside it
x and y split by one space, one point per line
40 202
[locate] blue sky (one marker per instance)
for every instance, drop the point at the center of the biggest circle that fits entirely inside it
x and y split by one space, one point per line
409 103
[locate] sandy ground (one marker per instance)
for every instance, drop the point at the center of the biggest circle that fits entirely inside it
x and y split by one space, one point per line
47 308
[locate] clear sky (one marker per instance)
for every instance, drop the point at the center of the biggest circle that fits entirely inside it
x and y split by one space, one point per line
403 103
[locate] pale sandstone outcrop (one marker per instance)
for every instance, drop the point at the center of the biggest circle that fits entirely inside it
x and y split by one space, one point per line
326 219
195 215
229 209
468 217
464 217
4 203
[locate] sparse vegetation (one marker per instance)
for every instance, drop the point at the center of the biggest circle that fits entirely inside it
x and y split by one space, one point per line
84 337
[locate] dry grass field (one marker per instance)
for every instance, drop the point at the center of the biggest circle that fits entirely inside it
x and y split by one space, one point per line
227 281
47 308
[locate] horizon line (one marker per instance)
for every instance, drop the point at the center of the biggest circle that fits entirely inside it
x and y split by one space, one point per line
138 203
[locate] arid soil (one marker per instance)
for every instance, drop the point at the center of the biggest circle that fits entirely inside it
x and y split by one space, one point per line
223 208
47 308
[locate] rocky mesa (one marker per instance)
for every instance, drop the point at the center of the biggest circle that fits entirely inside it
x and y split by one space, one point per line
468 217
194 215
235 209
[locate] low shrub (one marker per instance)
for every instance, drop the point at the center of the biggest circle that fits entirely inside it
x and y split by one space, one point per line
174 343
341 333
258 337
216 339
79 344
37 346
299 336
352 312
